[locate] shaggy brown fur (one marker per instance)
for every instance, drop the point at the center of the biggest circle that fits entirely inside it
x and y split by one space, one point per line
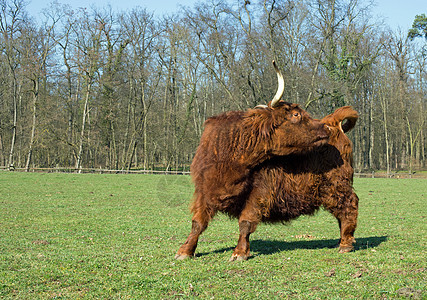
255 180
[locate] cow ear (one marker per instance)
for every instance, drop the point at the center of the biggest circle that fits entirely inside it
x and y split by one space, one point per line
344 117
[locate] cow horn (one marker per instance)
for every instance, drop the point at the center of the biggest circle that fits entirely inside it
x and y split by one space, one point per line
280 88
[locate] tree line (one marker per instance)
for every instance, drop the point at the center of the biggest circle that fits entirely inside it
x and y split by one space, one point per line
131 90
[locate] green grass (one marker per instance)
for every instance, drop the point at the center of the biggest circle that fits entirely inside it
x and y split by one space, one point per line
69 236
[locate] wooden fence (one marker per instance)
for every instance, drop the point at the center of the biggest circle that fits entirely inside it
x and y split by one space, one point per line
169 172
94 171
396 175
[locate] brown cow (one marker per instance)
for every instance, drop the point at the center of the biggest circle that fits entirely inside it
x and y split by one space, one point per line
282 188
232 145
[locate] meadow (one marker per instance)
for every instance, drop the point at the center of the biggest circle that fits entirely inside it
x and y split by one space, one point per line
87 236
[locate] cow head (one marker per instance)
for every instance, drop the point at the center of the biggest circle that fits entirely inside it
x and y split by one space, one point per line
284 127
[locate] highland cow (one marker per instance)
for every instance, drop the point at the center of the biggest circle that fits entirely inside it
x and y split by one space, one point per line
236 150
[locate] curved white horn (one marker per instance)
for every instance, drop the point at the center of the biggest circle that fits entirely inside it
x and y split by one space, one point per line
280 88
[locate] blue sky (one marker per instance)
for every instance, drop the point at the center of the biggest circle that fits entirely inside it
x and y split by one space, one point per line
400 13
396 13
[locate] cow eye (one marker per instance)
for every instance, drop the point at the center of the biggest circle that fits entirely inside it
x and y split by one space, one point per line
296 115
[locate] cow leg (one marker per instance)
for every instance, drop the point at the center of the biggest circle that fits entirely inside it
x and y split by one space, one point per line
189 247
248 222
347 220
200 221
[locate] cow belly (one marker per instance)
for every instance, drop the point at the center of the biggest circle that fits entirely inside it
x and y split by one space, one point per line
289 210
283 198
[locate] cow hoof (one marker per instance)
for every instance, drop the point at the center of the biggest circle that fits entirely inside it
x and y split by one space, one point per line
238 258
345 249
183 256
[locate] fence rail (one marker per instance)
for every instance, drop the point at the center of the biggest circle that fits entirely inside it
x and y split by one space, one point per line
390 175
169 172
94 171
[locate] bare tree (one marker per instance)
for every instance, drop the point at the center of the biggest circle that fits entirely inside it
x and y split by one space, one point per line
88 43
11 16
144 76
38 47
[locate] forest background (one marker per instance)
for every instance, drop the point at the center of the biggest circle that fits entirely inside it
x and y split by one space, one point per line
97 88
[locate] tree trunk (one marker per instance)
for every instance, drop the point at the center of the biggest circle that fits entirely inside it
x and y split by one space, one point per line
33 126
386 136
82 133
372 135
15 121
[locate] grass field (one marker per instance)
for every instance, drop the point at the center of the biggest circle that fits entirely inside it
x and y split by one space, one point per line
69 236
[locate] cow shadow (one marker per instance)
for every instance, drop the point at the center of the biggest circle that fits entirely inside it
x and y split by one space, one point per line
268 247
